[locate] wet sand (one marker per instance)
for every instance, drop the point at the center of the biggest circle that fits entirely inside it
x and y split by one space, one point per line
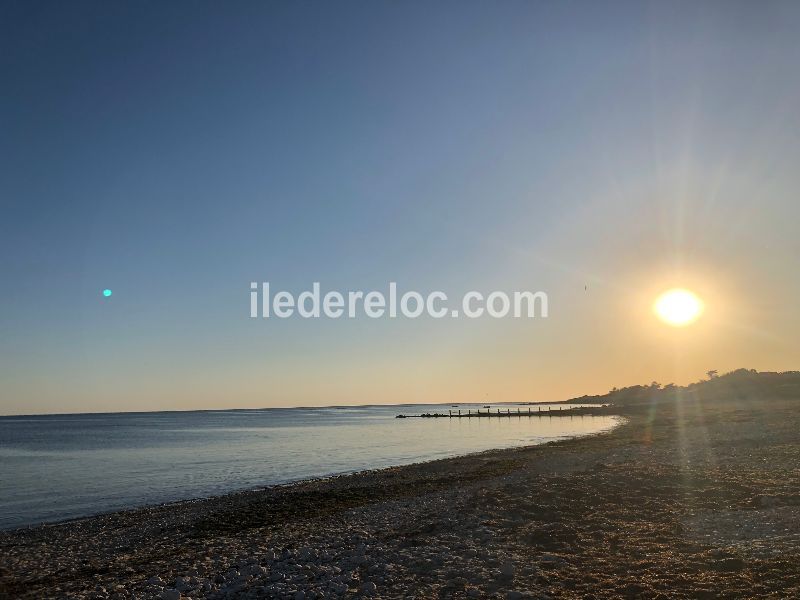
697 495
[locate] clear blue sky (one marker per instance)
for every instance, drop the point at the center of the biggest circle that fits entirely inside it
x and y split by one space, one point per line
174 152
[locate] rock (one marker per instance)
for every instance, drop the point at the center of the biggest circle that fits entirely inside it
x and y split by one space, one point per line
170 595
254 570
729 565
181 584
306 554
768 501
507 570
368 588
338 587
473 592
301 595
514 595
633 590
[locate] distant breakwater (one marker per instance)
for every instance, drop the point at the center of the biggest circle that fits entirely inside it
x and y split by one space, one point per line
604 409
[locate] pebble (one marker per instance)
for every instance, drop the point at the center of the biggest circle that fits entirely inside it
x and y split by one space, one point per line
507 570
369 588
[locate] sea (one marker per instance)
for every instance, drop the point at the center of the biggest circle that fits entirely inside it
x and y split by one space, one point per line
59 467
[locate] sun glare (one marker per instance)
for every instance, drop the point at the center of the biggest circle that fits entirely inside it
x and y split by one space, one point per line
678 307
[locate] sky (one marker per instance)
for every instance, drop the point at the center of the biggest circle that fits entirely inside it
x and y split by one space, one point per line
600 152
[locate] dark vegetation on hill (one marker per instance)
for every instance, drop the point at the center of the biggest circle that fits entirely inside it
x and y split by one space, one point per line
741 385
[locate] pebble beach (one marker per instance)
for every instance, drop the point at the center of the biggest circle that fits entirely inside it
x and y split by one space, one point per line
695 495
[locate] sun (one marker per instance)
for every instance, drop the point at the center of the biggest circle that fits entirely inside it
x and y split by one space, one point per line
678 307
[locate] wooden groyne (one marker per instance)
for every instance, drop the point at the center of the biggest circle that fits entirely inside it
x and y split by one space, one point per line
561 411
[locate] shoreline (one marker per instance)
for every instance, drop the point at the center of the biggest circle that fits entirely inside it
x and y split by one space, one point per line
677 502
177 504
169 490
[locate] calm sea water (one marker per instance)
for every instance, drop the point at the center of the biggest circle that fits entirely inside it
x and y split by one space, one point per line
65 466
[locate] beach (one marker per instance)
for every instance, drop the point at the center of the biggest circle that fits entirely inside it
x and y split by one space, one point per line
399 300
694 496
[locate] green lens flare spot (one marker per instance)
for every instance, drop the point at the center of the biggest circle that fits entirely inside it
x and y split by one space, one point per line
107 292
